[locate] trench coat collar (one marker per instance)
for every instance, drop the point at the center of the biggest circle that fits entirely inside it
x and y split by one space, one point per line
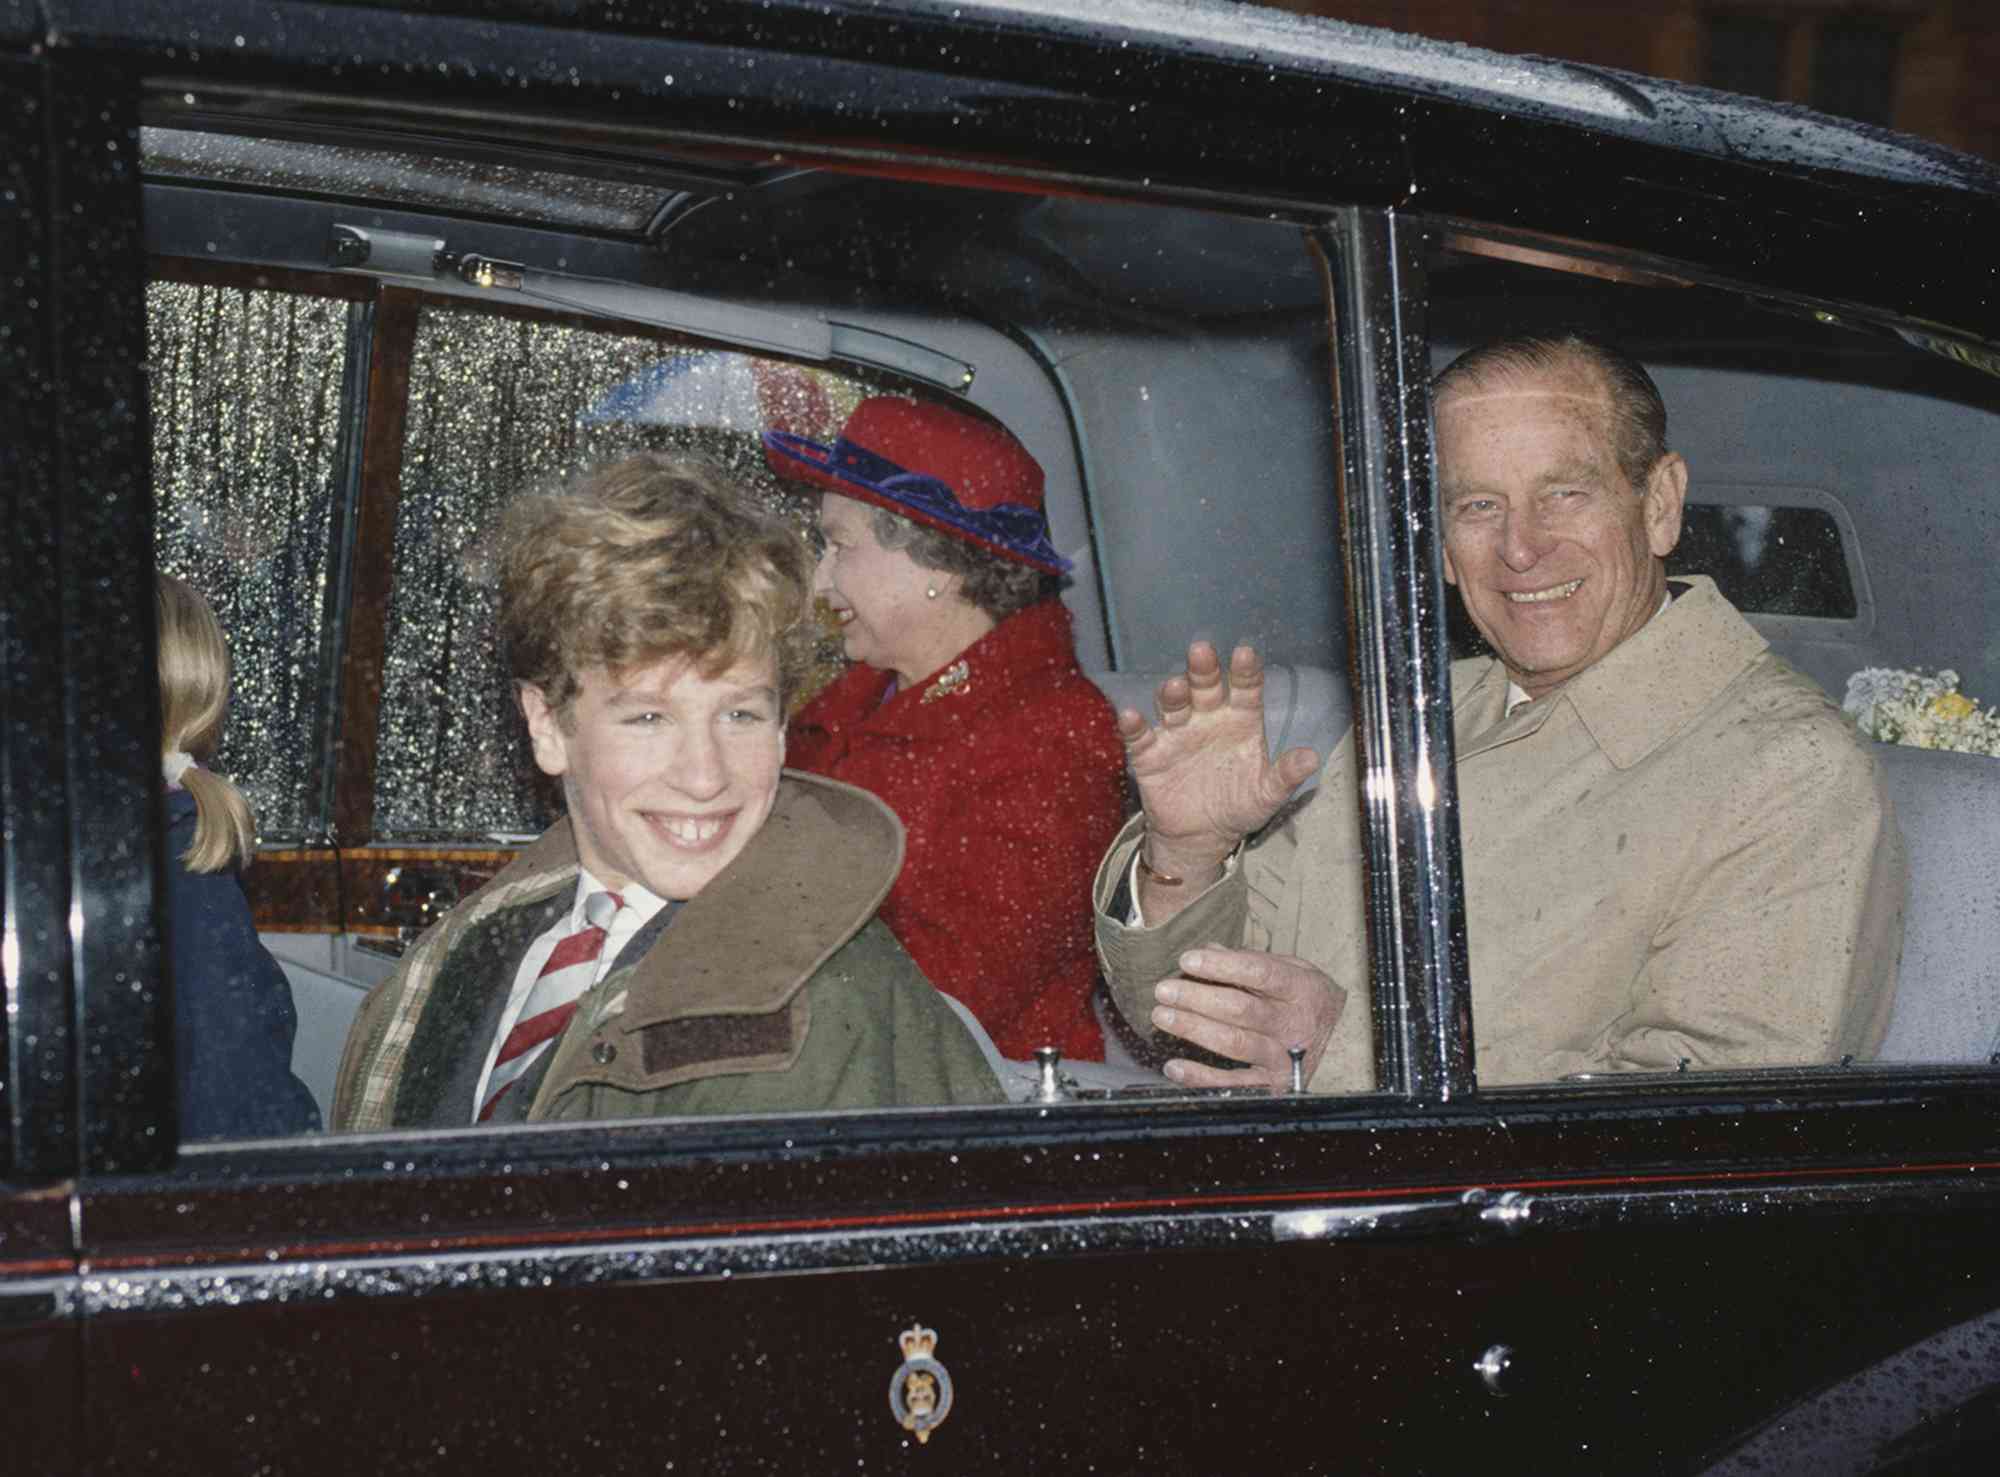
1028 650
809 880
1636 696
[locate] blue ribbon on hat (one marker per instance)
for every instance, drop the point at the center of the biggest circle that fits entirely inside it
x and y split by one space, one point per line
1017 527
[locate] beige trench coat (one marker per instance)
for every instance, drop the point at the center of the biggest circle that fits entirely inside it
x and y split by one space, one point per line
1683 854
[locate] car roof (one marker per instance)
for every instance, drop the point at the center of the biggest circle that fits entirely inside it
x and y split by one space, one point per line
1209 104
1652 109
1603 99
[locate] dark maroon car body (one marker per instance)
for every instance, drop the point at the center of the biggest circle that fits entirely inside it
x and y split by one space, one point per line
1783 1270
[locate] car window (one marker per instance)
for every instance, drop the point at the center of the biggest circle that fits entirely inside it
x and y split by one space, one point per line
511 191
337 452
1181 418
250 418
1724 742
1769 557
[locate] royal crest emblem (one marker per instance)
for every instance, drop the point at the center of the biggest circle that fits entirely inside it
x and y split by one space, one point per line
955 678
920 1392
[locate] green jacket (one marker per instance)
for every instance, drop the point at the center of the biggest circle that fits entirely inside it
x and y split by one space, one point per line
774 990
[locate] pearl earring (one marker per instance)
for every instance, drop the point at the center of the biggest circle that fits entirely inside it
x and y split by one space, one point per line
930 592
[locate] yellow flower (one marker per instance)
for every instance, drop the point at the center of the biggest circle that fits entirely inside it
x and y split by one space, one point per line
1951 706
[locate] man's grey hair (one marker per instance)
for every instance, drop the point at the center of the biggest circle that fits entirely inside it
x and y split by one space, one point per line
1638 414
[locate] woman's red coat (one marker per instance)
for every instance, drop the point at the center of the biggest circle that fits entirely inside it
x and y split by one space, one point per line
1011 784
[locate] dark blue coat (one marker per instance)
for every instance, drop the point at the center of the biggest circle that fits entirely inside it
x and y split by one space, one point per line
233 1014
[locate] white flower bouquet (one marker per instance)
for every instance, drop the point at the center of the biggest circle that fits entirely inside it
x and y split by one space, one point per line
1923 709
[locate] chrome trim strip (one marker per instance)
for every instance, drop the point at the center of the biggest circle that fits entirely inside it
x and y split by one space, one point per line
1465 1215
38 1300
617 1263
1422 994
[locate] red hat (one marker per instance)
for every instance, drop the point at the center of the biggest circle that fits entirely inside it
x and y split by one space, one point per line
934 465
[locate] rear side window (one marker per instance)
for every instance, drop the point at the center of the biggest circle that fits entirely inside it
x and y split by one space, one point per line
248 463
1767 559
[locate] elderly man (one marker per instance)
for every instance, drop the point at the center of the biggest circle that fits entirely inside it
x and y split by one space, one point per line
698 934
1675 849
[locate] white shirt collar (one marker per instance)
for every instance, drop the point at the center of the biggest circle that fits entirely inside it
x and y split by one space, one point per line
640 905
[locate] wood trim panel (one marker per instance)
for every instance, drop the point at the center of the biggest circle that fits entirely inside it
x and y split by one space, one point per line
374 540
322 891
295 891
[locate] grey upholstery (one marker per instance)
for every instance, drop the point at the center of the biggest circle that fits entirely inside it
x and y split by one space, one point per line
1020 1079
326 1006
329 976
1948 995
1306 706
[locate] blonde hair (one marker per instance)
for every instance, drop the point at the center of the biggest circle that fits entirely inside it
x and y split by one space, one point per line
194 696
650 558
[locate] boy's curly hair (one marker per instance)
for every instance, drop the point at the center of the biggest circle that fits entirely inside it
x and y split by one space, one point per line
646 559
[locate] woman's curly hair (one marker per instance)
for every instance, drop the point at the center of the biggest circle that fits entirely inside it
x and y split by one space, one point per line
998 586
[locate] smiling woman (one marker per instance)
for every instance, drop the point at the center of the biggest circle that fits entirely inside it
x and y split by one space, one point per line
653 622
965 709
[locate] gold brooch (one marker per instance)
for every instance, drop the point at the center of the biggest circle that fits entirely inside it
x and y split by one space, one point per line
955 678
920 1391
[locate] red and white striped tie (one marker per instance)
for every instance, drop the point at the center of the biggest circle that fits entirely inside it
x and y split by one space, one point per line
571 970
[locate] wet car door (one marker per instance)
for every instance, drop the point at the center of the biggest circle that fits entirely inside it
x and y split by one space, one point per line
670 1263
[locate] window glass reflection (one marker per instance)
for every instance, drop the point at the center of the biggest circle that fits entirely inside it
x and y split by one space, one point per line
246 413
1766 559
489 187
501 406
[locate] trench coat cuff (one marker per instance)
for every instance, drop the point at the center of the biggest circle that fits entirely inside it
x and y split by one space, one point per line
1134 959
